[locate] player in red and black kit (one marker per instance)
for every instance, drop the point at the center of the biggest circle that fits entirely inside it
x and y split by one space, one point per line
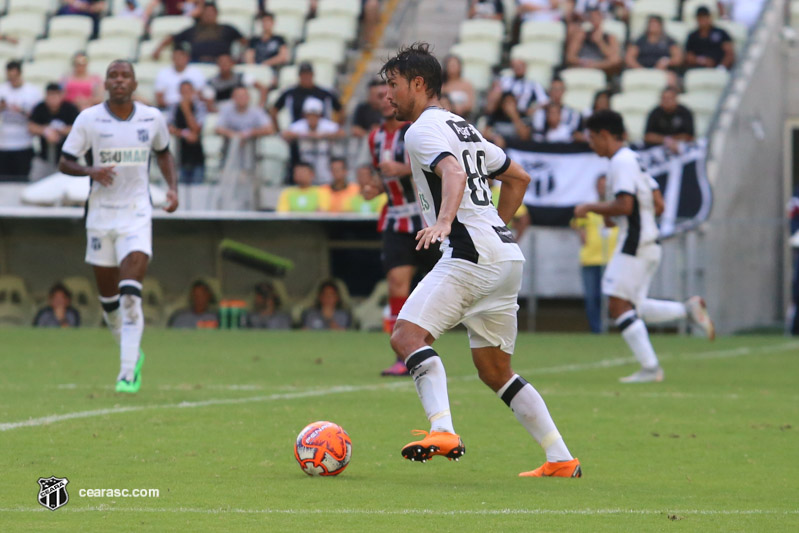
401 219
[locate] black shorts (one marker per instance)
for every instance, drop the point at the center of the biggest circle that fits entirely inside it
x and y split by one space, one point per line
15 165
399 249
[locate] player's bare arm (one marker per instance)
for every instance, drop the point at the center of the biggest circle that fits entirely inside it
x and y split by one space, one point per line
103 175
453 183
511 192
621 206
657 197
166 162
394 168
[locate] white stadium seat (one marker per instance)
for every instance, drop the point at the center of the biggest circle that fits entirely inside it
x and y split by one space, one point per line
121 27
288 25
647 79
795 14
44 7
209 70
45 71
476 52
242 23
616 28
147 72
323 50
70 26
706 80
293 7
260 73
351 8
642 9
677 30
478 30
737 31
478 74
146 49
535 30
111 48
57 48
690 6
168 25
335 28
538 52
579 99
236 7
584 78
640 102
23 25
703 106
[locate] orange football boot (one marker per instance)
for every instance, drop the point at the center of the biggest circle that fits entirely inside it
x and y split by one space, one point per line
434 443
559 469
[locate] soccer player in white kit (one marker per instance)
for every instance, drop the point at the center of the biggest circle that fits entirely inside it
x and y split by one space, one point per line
477 280
633 201
120 134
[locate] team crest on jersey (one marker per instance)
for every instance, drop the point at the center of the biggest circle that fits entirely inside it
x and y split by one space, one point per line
144 135
53 492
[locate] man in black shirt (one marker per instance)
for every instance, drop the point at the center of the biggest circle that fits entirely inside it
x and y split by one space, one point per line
223 84
52 121
367 114
294 97
708 46
207 39
268 49
186 122
670 123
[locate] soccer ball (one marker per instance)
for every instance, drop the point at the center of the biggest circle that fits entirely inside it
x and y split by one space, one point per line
323 449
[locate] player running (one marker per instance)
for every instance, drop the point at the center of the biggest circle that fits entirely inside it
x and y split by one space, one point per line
633 201
118 135
477 280
402 218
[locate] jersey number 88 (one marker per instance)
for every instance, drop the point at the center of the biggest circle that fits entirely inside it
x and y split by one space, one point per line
476 175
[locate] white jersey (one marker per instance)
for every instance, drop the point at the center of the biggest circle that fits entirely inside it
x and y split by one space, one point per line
627 175
126 145
478 234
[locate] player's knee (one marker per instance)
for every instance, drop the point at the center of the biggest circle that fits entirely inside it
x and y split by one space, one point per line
617 307
404 340
493 372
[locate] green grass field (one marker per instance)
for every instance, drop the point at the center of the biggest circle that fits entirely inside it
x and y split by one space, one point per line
713 448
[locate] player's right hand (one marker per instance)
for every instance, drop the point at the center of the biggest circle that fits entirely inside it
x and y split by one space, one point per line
103 175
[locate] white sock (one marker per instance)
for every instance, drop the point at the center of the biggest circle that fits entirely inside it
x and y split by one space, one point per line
660 311
430 379
532 412
111 314
636 336
132 326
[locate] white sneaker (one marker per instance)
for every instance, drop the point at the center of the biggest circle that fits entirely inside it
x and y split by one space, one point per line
697 312
645 375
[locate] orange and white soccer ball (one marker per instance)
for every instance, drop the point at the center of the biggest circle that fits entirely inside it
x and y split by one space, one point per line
323 449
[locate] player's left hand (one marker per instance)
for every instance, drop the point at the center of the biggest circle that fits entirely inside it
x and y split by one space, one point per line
434 234
171 201
580 211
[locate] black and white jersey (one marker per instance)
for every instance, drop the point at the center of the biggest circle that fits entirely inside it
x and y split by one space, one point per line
627 175
527 92
478 233
125 145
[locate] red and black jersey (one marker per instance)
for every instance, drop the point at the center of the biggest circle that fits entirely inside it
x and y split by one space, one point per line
402 214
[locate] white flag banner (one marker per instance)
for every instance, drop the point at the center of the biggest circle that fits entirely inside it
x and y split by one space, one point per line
564 175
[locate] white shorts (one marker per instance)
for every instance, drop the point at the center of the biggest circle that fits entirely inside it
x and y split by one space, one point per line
482 297
107 248
629 276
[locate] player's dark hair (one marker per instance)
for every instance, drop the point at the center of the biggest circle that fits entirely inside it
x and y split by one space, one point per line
60 287
607 120
14 65
122 62
416 61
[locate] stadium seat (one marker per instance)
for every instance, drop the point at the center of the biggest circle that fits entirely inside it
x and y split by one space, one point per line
84 299
42 72
690 6
700 102
538 52
209 70
70 26
121 27
642 9
616 28
147 72
584 78
706 80
236 7
481 30
795 14
62 48
153 303
287 25
368 315
212 147
146 49
260 73
333 28
477 52
478 74
243 23
540 73
535 30
23 25
677 30
646 79
44 7
635 124
168 25
16 305
634 102
579 99
109 48
351 8
274 154
737 31
297 8
310 299
325 51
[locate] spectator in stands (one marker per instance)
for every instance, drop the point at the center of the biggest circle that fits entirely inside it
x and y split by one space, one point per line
266 313
294 97
341 191
131 9
241 121
371 198
601 102
367 114
169 79
507 123
328 311
222 85
268 49
313 135
670 123
189 8
59 312
487 9
17 100
529 94
593 48
459 89
576 10
52 121
199 314
303 196
546 10
655 49
186 123
744 12
708 46
80 87
370 18
88 8
550 124
207 39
